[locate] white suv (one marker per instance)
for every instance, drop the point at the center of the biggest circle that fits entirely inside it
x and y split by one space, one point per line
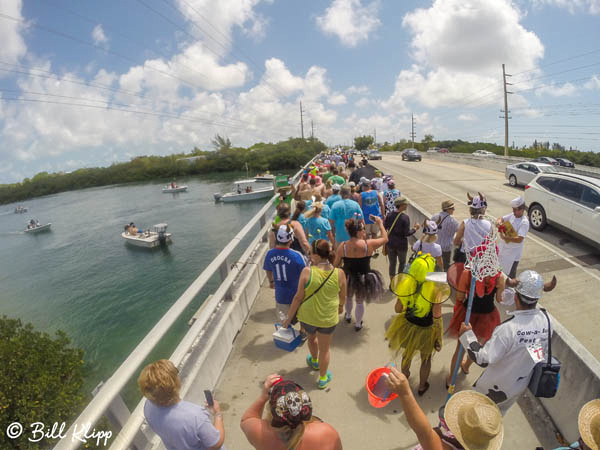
572 202
483 153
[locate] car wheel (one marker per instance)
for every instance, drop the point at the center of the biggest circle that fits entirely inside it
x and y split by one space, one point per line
512 180
537 217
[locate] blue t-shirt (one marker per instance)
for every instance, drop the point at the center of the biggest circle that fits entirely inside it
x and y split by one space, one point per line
332 199
317 228
326 211
302 220
183 426
286 265
370 205
342 210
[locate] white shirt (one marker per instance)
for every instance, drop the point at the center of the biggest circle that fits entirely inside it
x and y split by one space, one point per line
515 347
476 231
433 248
510 252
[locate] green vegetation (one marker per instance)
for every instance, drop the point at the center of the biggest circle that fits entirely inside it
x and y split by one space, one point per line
284 155
41 381
363 142
537 149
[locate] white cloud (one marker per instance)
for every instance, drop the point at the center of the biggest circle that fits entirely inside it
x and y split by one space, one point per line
98 35
459 47
594 83
13 45
337 98
468 117
553 90
573 6
362 102
350 20
358 90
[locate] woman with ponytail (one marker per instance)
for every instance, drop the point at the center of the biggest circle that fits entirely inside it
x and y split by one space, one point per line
300 243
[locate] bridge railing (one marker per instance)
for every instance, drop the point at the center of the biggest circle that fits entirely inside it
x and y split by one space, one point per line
107 396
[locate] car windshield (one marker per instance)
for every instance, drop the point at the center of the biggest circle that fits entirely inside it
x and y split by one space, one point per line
549 169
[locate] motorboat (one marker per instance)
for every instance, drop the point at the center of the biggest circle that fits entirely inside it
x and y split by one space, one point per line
265 177
172 189
20 209
35 227
147 238
245 191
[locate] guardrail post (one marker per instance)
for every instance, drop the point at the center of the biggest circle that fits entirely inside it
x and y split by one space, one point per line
224 272
117 414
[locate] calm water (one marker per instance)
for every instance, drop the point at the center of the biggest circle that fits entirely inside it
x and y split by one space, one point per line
82 278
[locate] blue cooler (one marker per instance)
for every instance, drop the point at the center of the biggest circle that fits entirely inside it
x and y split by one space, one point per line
286 338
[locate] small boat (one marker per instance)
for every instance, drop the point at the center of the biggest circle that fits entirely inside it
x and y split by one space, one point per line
171 190
265 177
245 191
147 239
20 209
35 227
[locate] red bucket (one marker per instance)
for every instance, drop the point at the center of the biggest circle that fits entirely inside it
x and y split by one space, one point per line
372 379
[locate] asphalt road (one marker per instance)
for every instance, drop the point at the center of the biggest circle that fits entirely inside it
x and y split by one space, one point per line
576 264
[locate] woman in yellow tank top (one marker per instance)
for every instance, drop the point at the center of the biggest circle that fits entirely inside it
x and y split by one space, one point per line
319 301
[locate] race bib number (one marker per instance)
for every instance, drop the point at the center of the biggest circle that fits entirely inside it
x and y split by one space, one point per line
536 351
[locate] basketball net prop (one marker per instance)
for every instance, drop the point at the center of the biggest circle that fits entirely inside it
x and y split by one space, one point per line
482 261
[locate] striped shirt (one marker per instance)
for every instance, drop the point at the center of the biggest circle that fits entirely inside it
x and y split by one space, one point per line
447 230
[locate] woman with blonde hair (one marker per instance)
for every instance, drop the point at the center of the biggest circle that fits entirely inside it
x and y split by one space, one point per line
179 424
289 422
317 227
319 301
300 242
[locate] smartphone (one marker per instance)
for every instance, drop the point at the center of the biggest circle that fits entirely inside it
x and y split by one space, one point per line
209 398
372 217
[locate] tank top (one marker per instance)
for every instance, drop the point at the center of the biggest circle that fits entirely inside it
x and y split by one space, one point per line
370 205
475 232
355 266
321 309
483 305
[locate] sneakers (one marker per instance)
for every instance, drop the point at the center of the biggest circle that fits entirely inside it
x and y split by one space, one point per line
311 364
348 317
358 326
322 384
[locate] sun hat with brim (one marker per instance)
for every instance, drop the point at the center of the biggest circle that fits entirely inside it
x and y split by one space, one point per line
589 424
400 201
447 204
475 421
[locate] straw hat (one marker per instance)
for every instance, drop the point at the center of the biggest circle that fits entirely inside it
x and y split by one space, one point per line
475 421
589 424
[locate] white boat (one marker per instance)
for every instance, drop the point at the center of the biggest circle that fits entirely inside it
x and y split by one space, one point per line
170 190
245 191
38 228
20 209
149 239
265 177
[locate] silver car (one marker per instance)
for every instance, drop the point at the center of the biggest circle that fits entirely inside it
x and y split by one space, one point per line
523 173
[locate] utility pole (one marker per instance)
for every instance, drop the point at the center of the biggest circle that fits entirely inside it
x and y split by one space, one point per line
412 133
374 136
301 120
506 111
312 129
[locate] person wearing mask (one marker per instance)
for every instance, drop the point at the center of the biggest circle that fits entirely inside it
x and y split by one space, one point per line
516 345
364 283
336 188
289 422
341 211
397 224
447 228
300 243
317 227
511 242
428 244
283 266
180 425
319 301
371 204
389 195
469 420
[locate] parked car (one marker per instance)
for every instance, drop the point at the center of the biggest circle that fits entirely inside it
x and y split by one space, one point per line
546 160
569 201
374 154
523 173
483 153
433 150
565 162
444 150
411 154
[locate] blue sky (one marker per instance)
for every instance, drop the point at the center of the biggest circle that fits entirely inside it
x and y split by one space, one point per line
86 83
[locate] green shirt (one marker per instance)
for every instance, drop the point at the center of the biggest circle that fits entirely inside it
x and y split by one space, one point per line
321 309
336 179
326 176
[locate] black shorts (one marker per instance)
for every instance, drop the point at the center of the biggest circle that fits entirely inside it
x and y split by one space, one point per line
312 330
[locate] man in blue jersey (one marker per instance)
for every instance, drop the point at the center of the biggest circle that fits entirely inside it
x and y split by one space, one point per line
344 209
283 266
371 203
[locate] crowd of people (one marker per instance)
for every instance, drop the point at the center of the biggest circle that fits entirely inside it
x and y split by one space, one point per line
327 230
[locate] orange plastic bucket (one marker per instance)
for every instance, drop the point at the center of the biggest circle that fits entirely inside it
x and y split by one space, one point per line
372 379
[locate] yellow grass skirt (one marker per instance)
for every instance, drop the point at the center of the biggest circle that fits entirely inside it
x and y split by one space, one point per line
407 338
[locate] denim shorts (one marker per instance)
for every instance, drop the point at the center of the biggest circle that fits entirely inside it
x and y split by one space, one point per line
312 330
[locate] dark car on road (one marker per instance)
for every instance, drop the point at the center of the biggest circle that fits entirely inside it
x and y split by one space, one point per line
374 154
563 162
546 160
411 154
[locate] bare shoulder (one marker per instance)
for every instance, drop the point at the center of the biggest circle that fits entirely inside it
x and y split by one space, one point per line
322 436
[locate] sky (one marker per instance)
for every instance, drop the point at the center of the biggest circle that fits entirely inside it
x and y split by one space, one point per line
88 83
